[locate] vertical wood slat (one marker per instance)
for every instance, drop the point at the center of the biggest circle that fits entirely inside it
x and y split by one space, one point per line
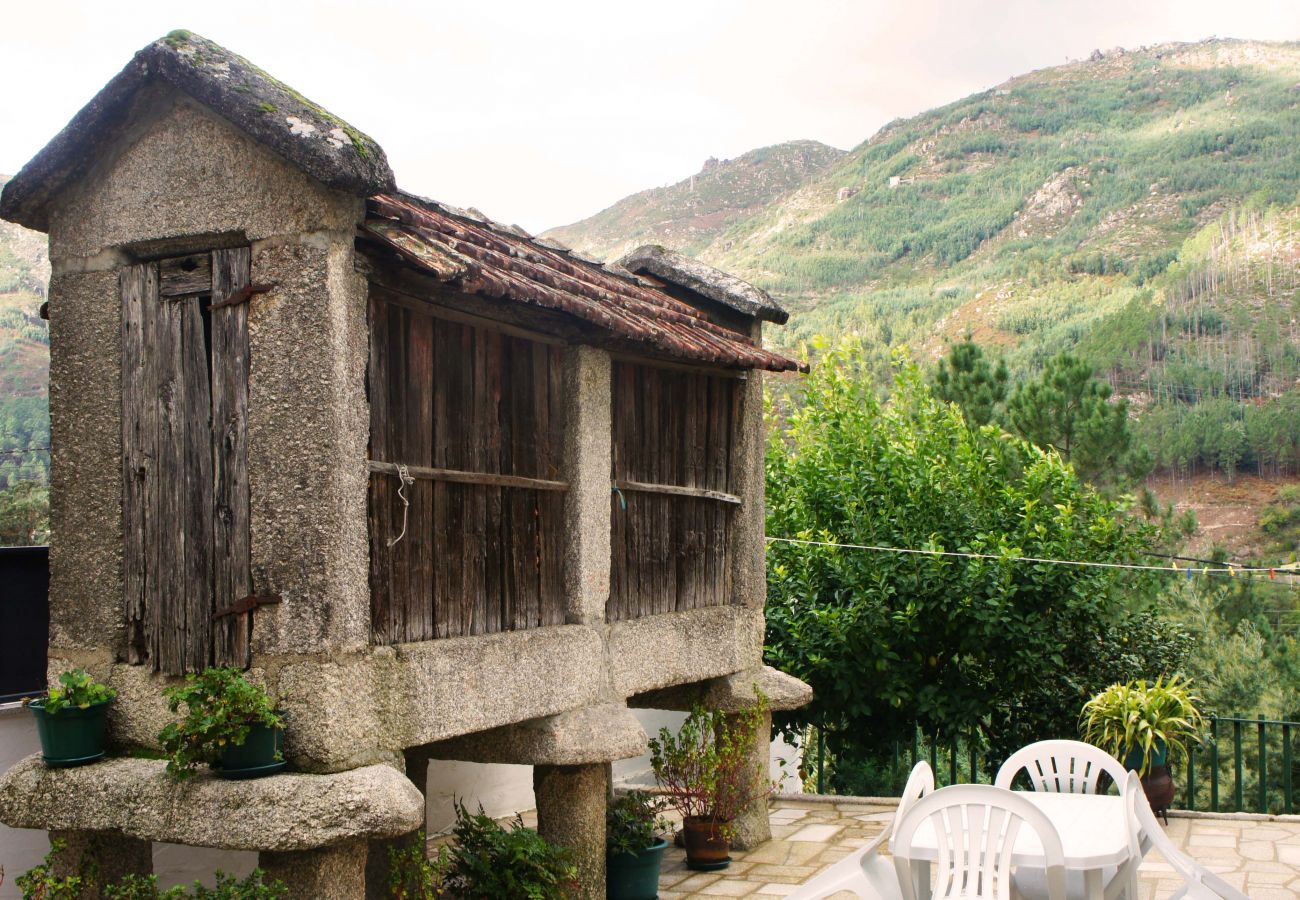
480 558
139 288
381 489
670 552
195 485
232 574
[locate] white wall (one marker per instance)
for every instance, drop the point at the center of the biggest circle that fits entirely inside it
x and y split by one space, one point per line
19 849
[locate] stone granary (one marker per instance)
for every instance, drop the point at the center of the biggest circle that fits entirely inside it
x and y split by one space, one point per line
448 491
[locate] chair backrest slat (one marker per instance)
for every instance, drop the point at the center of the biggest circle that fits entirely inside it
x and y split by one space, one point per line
1066 767
975 828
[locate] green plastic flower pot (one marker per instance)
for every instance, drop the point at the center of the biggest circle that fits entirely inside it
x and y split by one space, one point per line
1159 757
72 736
259 755
634 876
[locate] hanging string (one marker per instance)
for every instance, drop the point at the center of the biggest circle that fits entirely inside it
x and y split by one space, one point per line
406 481
1231 571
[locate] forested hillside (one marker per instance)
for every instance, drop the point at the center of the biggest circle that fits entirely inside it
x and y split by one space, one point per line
1030 212
24 381
691 213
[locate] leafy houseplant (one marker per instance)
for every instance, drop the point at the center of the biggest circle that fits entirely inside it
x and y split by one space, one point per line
634 846
229 723
706 773
1144 724
72 719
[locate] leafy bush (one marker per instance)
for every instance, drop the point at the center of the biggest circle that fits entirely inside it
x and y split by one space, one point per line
77 690
40 883
487 861
411 874
892 641
220 707
633 823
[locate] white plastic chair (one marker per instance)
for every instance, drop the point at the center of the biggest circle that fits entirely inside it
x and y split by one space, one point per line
1064 767
1031 883
1199 882
975 826
865 873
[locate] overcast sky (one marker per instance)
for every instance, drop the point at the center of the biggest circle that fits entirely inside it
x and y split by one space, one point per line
540 113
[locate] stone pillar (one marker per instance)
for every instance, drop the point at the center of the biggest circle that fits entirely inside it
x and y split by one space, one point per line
748 562
571 802
752 824
377 859
111 853
329 873
587 442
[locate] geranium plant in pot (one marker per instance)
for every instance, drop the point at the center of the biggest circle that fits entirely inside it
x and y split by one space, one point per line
1146 724
229 723
634 846
706 773
72 719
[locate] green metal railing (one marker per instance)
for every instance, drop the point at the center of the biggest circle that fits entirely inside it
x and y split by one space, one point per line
1243 764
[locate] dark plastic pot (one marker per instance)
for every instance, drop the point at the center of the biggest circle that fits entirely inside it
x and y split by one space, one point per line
634 876
259 755
1159 757
72 736
706 848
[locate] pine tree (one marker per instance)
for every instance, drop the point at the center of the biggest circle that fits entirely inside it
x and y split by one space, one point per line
1069 410
967 379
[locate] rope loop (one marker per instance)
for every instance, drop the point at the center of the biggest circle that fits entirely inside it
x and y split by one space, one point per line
406 481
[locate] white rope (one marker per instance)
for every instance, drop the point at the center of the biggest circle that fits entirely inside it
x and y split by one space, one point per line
407 481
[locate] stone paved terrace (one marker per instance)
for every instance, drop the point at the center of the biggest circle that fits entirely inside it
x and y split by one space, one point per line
1256 853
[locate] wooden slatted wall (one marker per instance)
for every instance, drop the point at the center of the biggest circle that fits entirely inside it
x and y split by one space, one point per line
184 462
673 433
476 416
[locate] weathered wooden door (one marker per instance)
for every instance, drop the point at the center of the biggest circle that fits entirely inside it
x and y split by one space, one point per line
184 460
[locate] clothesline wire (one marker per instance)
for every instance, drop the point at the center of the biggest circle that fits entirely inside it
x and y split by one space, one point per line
1230 571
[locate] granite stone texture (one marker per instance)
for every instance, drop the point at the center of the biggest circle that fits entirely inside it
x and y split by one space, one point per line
282 812
683 647
86 586
596 734
587 510
182 171
327 873
571 813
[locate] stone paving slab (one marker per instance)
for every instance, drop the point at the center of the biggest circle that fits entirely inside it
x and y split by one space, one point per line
1259 856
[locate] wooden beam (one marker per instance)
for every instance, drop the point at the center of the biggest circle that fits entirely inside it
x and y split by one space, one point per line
462 477
677 491
679 366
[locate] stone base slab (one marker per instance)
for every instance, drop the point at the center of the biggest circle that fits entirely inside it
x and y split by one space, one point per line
286 812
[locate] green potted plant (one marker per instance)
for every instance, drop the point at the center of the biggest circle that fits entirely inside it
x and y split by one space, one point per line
72 719
704 770
229 723
634 846
1145 724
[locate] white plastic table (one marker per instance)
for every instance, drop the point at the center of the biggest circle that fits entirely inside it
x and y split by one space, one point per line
1094 834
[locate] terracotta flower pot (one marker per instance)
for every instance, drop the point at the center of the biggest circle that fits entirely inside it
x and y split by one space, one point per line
706 847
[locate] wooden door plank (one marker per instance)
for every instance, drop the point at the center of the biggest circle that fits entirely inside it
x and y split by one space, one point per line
165 560
417 422
232 574
381 596
139 290
196 487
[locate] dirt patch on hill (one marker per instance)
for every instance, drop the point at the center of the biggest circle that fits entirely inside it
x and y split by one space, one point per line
1228 511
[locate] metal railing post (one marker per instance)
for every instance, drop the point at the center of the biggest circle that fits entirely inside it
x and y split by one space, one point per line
1263 766
1238 798
952 761
1287 805
1214 765
1191 778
